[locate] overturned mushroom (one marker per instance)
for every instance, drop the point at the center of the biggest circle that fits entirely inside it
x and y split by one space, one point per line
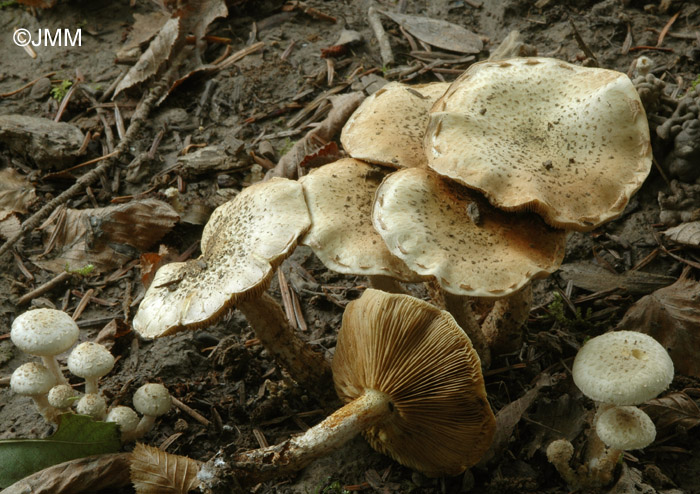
242 244
413 387
537 134
389 126
442 229
340 196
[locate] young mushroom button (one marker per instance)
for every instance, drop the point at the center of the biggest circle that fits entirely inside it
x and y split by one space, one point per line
45 333
90 361
151 400
34 380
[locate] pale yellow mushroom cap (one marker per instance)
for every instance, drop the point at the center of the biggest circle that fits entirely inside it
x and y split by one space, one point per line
442 229
568 142
625 428
340 197
622 368
242 244
439 420
389 126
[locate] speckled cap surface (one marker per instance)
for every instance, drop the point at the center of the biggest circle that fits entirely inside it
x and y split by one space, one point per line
625 428
340 197
389 126
442 229
242 244
90 360
538 134
32 378
44 332
622 368
152 399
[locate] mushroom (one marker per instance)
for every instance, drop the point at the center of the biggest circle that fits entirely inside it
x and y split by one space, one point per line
35 380
62 397
537 134
340 196
617 370
412 384
127 420
242 244
444 230
151 400
93 405
90 361
45 333
389 126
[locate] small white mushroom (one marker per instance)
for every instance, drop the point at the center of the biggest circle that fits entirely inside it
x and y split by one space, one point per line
93 405
127 420
34 380
625 428
62 397
45 333
90 361
151 400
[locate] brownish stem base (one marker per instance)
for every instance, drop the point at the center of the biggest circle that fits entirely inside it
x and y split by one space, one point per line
306 366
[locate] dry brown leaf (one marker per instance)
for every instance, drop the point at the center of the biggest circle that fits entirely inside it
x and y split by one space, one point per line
685 233
104 237
16 193
439 33
154 57
9 224
156 472
671 315
677 410
84 475
145 27
595 278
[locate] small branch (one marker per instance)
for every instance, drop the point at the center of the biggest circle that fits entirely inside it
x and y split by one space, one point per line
40 290
384 46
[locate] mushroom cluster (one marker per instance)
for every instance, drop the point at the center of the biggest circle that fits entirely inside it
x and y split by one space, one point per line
48 333
618 370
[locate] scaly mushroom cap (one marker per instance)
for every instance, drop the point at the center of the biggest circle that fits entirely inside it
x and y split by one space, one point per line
440 421
32 379
441 229
569 142
125 417
340 197
152 399
622 368
62 396
44 332
625 428
93 405
389 126
90 360
242 244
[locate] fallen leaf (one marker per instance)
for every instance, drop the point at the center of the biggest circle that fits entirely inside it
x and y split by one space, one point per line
439 33
16 193
156 472
671 315
77 436
673 411
153 58
685 233
104 237
145 28
509 416
151 262
595 278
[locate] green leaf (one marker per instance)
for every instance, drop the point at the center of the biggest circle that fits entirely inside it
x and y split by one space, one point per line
77 436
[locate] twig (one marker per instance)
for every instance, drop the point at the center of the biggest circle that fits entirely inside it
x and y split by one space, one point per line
137 121
240 54
384 46
191 412
55 281
582 44
668 25
27 85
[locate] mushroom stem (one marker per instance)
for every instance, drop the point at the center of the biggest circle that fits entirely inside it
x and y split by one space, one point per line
259 465
44 408
502 326
386 284
91 385
307 367
51 363
145 424
460 308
